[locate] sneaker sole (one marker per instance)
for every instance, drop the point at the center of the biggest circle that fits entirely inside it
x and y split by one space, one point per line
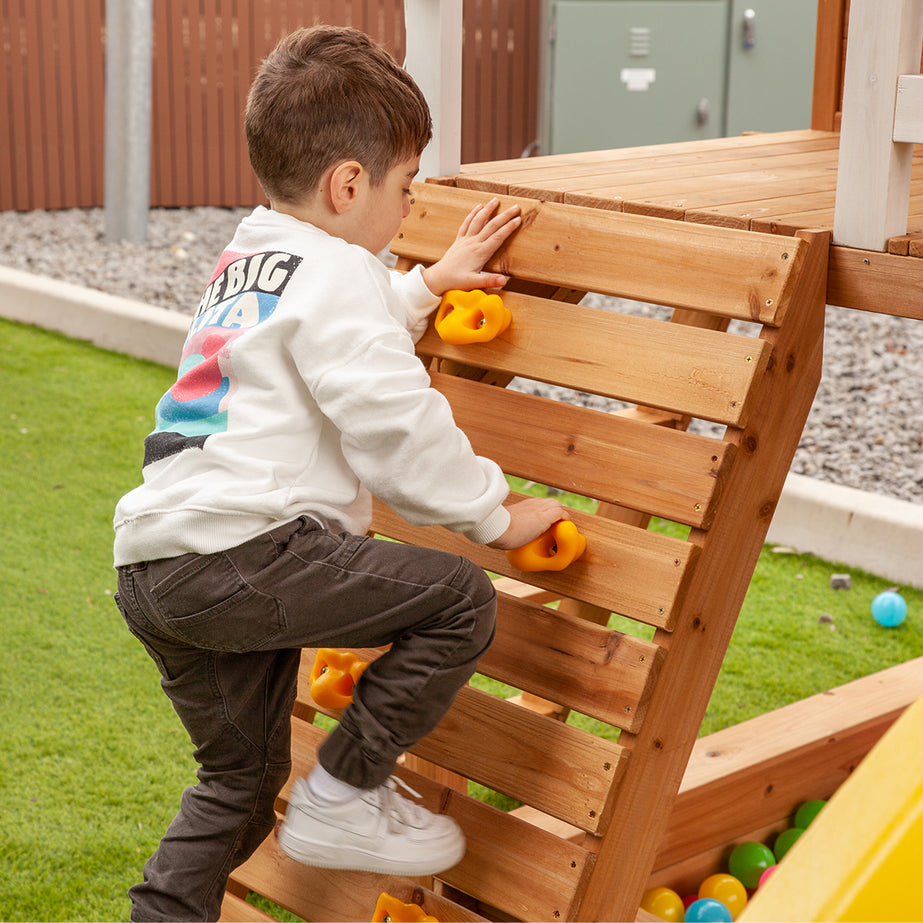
325 856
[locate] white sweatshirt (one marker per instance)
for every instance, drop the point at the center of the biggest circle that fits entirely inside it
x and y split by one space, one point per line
298 394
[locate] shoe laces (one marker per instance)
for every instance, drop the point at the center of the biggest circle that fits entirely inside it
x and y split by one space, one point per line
394 805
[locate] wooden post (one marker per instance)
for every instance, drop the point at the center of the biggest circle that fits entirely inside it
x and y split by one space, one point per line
129 31
434 60
873 176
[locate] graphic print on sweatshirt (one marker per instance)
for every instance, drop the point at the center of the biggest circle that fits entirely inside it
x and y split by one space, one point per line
244 292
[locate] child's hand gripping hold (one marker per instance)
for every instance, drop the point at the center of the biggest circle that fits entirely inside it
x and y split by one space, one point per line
555 549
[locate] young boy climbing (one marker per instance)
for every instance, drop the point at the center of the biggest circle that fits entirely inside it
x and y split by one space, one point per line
298 397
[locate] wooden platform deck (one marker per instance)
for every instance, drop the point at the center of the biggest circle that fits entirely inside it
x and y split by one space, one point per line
778 182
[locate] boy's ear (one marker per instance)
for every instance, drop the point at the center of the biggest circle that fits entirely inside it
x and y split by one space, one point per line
346 181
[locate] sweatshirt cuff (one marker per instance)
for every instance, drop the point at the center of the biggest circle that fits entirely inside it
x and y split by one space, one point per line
491 528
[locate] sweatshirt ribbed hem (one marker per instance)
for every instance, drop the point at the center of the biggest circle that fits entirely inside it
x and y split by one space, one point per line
491 528
169 535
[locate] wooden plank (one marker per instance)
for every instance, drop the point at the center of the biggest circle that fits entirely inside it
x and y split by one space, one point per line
585 667
714 191
34 140
235 909
604 456
20 76
656 258
504 171
654 169
232 99
693 372
698 180
872 281
332 895
510 865
755 773
559 769
828 64
908 122
65 150
636 573
554 767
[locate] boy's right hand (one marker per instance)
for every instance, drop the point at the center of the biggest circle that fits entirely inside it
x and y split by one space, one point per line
529 519
484 230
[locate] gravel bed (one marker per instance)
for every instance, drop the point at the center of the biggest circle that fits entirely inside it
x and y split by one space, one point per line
865 430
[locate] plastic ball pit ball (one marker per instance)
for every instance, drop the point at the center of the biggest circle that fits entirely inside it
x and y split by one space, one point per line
767 875
785 841
748 861
807 812
664 903
889 609
706 910
727 890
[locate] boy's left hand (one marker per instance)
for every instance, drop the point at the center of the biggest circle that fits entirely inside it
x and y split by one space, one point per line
482 233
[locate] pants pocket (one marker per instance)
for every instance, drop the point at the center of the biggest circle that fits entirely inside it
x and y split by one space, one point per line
207 603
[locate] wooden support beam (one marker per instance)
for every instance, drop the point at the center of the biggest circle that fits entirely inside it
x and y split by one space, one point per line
873 176
908 109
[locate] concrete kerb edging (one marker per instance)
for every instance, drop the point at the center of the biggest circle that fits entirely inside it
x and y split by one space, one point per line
854 528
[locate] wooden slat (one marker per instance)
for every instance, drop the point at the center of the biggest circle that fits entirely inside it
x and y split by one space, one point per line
700 373
828 64
608 457
702 177
755 772
737 275
34 140
874 281
503 172
559 769
535 759
509 864
585 667
631 571
332 895
235 909
58 109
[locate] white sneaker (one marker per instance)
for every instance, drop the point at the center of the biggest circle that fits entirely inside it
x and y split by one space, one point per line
377 832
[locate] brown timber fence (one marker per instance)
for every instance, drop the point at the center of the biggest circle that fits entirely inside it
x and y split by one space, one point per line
52 90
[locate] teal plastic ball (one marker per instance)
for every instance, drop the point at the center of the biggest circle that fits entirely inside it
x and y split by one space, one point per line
707 910
889 609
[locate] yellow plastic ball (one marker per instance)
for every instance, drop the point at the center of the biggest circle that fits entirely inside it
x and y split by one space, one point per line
664 903
726 889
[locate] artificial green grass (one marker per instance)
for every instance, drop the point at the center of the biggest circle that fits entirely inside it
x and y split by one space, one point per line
93 757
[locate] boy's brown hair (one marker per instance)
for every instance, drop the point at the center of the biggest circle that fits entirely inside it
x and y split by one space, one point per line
325 95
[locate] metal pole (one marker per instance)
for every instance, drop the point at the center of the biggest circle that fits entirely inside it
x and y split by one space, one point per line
129 31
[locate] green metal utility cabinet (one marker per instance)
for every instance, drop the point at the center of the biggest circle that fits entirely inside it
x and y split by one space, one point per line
636 72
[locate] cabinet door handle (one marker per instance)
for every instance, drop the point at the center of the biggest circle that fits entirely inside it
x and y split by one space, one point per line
702 111
749 28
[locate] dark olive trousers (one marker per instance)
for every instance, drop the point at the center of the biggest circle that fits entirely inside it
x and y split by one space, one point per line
226 632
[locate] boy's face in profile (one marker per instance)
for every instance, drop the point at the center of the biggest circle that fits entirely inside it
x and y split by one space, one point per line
382 208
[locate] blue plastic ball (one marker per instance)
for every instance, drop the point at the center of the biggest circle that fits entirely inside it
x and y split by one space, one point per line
707 910
889 609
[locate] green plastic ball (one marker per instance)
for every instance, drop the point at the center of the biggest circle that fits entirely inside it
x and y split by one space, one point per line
785 841
807 812
748 861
